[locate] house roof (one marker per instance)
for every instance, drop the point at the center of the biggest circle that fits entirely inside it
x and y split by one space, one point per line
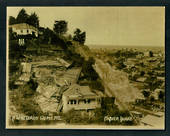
46 63
161 78
158 90
23 26
58 63
70 76
79 91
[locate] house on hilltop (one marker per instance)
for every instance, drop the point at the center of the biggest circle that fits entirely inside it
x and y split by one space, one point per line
22 30
80 98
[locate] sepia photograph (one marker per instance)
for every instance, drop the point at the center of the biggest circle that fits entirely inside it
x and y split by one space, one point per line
93 67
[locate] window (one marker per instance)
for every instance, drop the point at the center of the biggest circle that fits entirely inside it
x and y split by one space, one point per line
21 31
73 102
27 31
88 101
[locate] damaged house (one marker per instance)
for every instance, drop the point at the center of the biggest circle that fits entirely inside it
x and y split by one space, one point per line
80 98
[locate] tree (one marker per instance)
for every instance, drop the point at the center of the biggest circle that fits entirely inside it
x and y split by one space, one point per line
60 27
142 73
152 99
82 37
12 35
12 20
79 36
88 70
22 16
46 35
33 20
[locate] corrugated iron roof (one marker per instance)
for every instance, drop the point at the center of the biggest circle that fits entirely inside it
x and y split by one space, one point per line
69 77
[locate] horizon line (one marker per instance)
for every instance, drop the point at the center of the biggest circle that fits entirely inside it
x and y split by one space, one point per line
125 45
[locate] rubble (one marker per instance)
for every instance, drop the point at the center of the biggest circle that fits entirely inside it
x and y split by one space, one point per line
48 91
26 67
46 104
52 83
26 74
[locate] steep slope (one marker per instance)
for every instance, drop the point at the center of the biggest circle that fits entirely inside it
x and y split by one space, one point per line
117 84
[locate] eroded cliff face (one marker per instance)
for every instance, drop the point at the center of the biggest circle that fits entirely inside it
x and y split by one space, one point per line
116 84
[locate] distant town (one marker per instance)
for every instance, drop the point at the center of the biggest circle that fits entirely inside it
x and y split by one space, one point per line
54 74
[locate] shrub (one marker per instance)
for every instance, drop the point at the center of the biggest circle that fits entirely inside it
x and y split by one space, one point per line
88 70
23 99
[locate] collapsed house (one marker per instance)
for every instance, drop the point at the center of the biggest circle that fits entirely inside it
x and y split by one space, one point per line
80 98
52 83
50 95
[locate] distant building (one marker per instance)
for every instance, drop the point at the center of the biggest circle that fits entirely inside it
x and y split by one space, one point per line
141 79
80 98
161 78
146 53
139 56
130 63
24 29
156 92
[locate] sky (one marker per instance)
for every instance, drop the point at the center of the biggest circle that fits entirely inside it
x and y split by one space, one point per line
117 26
